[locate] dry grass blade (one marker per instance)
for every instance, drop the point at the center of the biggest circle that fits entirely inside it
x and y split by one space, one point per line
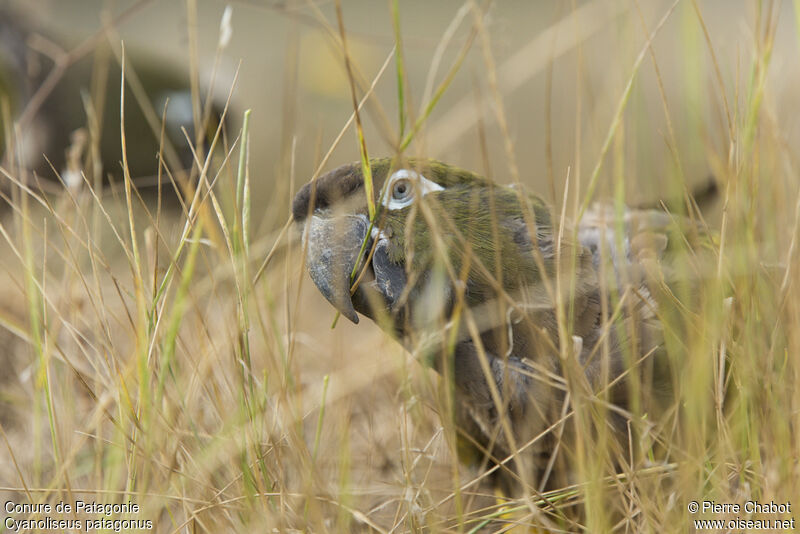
362 143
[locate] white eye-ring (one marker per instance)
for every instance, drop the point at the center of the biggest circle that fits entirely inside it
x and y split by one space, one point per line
403 185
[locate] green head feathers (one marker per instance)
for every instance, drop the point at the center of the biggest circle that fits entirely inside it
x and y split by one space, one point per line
430 217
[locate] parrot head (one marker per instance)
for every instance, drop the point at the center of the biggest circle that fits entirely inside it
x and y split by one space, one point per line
438 232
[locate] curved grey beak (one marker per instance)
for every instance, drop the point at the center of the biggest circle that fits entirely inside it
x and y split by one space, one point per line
334 244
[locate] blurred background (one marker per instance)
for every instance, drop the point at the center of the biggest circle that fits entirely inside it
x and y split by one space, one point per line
135 372
560 79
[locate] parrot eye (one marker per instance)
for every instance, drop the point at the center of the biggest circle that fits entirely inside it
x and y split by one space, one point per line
401 190
403 185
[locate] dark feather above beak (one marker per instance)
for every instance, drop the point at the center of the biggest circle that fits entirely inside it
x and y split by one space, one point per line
334 244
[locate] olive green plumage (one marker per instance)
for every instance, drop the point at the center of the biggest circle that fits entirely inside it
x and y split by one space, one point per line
449 267
495 242
461 216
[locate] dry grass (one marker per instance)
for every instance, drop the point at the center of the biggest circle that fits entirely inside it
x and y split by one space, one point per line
143 363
